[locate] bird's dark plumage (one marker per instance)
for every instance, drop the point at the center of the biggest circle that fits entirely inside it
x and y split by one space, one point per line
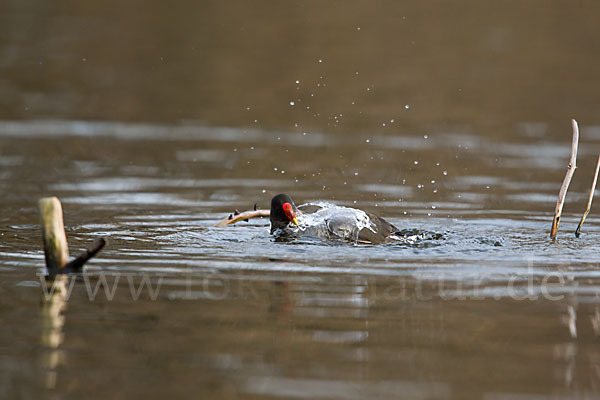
279 219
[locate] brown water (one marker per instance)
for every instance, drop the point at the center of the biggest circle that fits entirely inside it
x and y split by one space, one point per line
153 121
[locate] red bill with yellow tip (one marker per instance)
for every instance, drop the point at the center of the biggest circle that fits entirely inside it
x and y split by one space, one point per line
290 213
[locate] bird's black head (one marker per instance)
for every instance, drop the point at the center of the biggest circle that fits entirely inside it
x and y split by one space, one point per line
283 211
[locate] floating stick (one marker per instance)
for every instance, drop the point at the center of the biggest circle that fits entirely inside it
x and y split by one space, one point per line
589 204
243 216
563 189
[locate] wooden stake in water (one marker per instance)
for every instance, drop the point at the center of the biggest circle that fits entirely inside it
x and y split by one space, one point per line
53 306
590 198
563 189
54 300
56 249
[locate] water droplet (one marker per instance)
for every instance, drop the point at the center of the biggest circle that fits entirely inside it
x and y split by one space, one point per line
368 140
282 171
358 28
407 106
297 82
383 124
264 191
433 181
416 162
275 169
356 174
321 60
425 137
292 103
445 172
247 108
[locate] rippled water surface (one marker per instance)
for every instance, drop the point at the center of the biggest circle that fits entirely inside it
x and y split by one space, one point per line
453 127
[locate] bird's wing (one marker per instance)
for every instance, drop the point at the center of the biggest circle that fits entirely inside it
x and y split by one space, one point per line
382 228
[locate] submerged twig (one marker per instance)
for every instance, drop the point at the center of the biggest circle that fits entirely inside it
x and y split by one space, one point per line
243 216
590 199
563 189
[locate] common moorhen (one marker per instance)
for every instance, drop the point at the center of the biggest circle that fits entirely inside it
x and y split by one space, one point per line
328 220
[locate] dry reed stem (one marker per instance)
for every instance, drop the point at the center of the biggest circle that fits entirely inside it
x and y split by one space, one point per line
565 185
590 199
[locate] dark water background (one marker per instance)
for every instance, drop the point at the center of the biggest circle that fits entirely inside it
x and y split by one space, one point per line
152 121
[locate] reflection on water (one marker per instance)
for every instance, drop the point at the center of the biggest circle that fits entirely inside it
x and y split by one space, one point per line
324 335
52 322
